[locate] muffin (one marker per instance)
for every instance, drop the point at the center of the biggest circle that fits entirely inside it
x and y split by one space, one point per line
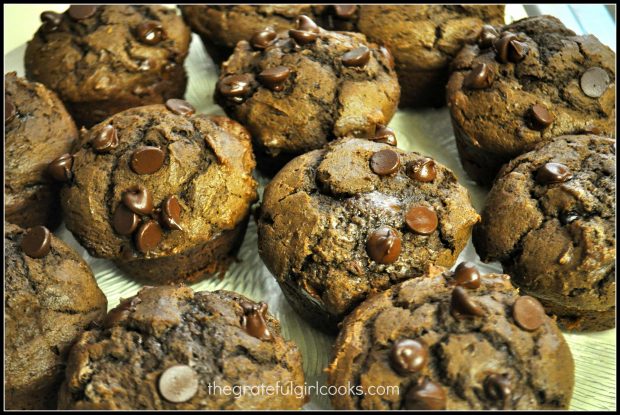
341 223
297 90
550 220
172 349
527 83
37 130
452 340
163 192
50 297
104 59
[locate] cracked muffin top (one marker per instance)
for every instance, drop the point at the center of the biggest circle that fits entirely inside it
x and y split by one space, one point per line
170 348
452 340
356 217
297 90
50 297
550 219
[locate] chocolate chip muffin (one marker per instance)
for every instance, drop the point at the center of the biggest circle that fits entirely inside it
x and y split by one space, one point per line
527 83
354 218
162 191
297 90
50 297
452 340
37 130
550 220
105 59
172 349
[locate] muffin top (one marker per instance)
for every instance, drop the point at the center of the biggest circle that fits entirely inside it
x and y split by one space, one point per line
297 90
153 181
453 340
531 81
168 348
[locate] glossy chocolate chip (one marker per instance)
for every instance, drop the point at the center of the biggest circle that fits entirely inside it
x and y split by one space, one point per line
422 170
467 275
51 20
427 395
487 36
171 213
422 220
180 106
260 40
274 78
235 87
106 140
345 11
408 356
497 388
147 160
303 22
388 56
9 110
60 168
517 51
383 245
178 384
37 242
480 77
253 320
384 135
551 173
150 33
540 116
303 37
594 82
501 46
385 162
357 57
463 304
124 221
138 199
528 313
79 12
148 236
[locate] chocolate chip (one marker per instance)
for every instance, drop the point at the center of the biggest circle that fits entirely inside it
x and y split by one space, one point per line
51 20
528 313
9 110
501 46
480 77
235 87
148 236
253 320
517 51
408 356
60 168
79 12
541 117
274 78
385 162
384 135
303 22
497 388
345 11
422 170
383 245
150 33
106 140
553 173
592 129
171 213
388 56
260 40
124 221
594 82
422 220
568 217
303 37
138 199
178 384
487 36
147 160
427 395
357 57
37 242
463 304
467 275
180 106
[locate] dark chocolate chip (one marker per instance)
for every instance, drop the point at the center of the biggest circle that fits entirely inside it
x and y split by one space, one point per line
592 129
171 213
357 57
79 12
106 140
147 160
463 304
551 173
497 388
408 356
501 46
427 395
51 20
568 217
124 221
138 199
37 242
178 383
467 275
148 236
383 245
303 22
517 51
388 56
594 82
235 87
385 162
487 36
345 11
303 37
9 110
60 168
422 220
480 77
274 78
150 33
384 135
253 320
528 313
180 106
541 117
422 170
260 40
